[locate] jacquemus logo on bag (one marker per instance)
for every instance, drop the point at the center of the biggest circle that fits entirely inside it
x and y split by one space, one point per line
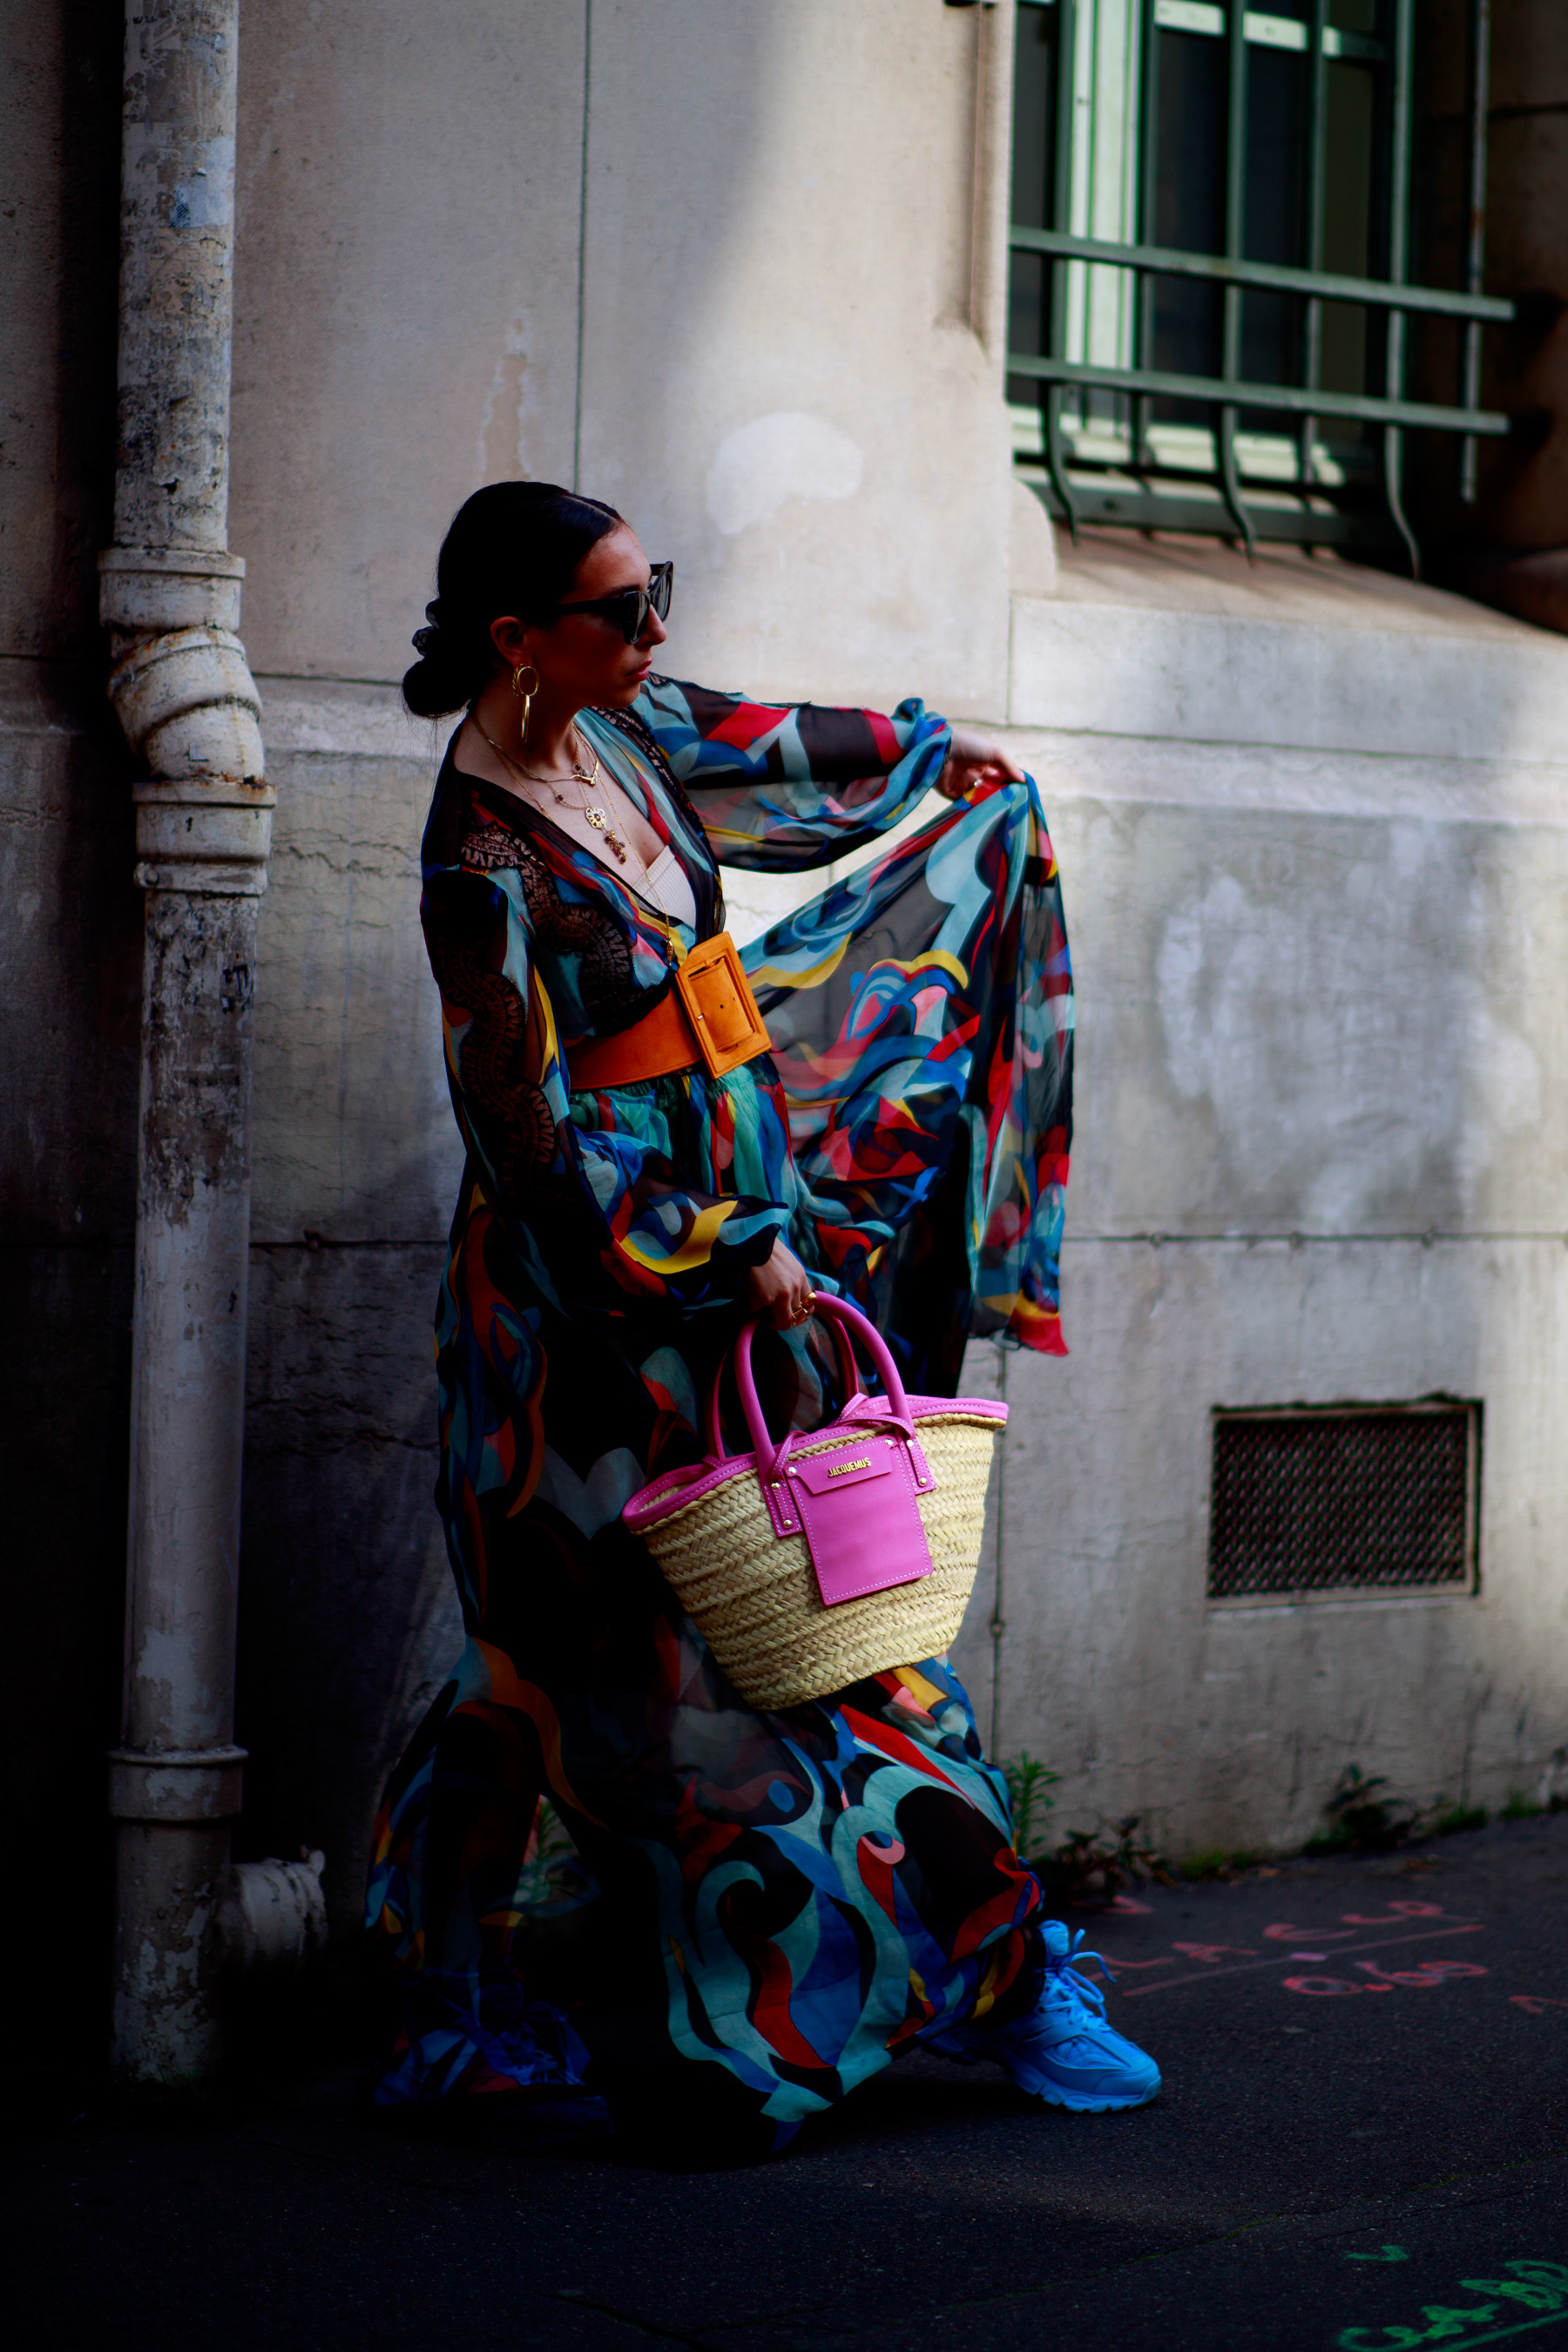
842 1469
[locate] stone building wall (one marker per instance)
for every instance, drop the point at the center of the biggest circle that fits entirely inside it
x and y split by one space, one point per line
441 280
1311 825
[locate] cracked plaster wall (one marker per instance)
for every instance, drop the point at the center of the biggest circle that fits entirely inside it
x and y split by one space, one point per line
411 196
1321 1153
436 286
1313 829
348 1616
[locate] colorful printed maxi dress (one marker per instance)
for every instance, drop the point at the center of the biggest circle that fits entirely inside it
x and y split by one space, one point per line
762 1910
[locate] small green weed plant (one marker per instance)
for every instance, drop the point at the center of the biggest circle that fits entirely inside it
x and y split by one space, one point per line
1219 1861
1520 1807
1028 1781
1449 1820
1087 1866
1363 1819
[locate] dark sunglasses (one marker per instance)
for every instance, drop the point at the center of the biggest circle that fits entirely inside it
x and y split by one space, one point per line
630 607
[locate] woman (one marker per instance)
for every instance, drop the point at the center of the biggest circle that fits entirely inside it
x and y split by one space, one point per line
763 1909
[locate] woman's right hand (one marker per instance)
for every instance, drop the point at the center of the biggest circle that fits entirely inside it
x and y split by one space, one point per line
780 1289
973 761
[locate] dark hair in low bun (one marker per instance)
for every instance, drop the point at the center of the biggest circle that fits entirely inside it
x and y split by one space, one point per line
513 547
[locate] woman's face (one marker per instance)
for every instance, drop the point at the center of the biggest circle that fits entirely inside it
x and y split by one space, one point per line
582 658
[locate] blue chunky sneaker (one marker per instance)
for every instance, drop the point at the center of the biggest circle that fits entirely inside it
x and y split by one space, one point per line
1063 2051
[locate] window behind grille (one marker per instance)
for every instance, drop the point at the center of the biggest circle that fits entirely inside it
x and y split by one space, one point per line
1210 308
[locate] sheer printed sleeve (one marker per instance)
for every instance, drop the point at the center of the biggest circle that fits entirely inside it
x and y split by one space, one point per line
601 1221
784 787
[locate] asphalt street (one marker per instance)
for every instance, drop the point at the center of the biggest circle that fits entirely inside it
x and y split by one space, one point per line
1362 2142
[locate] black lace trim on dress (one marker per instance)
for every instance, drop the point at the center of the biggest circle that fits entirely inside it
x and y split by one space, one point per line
609 994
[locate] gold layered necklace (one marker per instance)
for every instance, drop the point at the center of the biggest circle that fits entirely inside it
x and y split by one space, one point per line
599 818
592 814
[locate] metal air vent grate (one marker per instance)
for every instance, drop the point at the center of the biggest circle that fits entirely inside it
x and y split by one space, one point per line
1373 1499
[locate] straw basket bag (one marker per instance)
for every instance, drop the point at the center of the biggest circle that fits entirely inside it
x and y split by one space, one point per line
828 1555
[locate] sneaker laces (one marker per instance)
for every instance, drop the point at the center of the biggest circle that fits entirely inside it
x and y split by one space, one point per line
1072 1998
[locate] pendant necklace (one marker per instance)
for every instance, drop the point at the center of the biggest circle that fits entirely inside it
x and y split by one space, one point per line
597 817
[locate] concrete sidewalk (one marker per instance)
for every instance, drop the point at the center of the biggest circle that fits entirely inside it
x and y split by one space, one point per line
1362 2143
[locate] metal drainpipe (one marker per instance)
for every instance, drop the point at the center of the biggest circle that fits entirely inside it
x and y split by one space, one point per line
182 690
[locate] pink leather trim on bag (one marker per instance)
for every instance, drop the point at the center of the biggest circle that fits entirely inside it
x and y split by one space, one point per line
864 1535
676 1489
851 1489
865 1532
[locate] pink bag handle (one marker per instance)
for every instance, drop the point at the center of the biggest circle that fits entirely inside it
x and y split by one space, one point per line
850 1371
856 1326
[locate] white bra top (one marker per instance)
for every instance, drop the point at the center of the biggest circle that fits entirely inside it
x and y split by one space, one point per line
667 875
671 882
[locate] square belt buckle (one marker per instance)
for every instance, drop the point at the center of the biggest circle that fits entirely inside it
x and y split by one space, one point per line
719 1005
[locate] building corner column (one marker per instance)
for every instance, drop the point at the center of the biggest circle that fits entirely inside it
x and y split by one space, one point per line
182 690
991 197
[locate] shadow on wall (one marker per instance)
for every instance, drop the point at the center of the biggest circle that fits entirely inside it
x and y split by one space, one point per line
349 1617
419 186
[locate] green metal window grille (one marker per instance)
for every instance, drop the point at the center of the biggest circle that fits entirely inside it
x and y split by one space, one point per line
1210 305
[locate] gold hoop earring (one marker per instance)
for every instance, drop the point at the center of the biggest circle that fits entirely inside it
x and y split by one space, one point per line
525 695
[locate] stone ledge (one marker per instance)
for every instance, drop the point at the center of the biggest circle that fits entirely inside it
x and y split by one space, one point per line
1193 645
1177 574
1155 771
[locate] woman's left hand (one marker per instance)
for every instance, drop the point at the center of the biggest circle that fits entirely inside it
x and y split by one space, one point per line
974 759
780 1289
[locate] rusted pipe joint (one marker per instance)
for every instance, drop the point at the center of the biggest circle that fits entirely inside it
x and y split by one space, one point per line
174 1784
208 840
147 590
189 705
274 1915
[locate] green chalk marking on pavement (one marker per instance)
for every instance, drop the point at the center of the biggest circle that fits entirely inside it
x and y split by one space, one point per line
1532 2282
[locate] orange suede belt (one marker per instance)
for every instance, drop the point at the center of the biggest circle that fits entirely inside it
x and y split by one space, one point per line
709 1020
